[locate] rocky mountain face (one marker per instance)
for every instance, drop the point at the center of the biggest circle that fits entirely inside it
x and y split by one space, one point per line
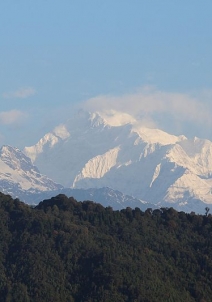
95 150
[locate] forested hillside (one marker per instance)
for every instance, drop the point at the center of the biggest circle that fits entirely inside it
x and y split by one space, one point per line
64 250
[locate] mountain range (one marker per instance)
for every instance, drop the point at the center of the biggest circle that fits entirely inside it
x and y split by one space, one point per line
113 150
21 179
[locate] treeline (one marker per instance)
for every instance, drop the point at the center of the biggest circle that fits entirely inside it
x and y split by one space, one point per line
64 250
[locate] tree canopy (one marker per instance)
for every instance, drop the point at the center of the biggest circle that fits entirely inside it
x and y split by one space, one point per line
64 250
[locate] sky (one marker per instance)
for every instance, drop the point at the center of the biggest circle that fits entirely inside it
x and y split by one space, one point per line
151 59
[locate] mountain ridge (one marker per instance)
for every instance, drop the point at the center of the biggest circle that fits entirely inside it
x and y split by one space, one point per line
18 174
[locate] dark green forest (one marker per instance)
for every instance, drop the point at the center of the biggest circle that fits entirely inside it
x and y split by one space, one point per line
64 250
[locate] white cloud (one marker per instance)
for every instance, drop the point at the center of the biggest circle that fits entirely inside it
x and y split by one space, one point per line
12 117
21 93
148 102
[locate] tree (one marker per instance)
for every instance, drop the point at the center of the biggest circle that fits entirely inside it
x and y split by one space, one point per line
207 211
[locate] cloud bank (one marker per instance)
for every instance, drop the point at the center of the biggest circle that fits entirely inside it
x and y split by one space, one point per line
21 93
152 106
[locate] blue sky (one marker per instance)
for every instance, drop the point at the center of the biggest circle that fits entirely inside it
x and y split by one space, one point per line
56 56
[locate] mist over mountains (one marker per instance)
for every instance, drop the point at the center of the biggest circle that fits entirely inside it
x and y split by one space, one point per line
114 150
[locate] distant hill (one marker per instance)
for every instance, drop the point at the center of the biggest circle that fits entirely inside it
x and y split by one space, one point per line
104 196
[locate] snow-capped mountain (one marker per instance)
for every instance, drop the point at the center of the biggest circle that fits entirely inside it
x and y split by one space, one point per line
19 176
114 150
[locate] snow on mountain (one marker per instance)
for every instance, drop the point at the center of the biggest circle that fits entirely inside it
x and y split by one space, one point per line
18 174
97 167
115 150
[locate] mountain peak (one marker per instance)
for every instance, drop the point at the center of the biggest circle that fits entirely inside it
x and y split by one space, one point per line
116 118
148 134
97 120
